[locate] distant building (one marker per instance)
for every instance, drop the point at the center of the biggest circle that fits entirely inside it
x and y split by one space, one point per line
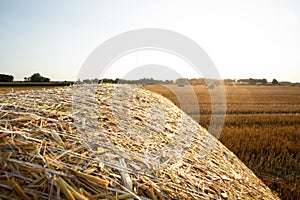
285 83
241 83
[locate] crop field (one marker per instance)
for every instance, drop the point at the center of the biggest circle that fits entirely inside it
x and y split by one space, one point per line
262 128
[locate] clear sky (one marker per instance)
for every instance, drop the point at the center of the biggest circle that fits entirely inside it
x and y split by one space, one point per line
258 39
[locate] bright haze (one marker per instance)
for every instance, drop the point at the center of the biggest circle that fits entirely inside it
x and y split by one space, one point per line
245 39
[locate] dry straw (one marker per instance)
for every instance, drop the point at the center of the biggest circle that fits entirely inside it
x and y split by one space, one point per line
46 153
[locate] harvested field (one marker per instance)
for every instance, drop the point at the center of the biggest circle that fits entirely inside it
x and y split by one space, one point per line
4 90
262 128
48 151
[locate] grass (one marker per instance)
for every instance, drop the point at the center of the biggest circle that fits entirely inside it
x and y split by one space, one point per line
262 128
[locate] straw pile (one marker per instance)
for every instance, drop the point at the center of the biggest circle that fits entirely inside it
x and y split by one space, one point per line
127 147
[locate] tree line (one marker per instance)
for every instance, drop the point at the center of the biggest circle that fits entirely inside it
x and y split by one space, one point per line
184 81
6 78
36 77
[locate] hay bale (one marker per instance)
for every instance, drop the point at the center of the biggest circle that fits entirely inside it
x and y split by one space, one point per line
48 152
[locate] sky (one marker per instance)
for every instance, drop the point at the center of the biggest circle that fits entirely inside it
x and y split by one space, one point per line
257 39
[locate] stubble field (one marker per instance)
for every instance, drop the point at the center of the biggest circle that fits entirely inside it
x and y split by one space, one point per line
262 128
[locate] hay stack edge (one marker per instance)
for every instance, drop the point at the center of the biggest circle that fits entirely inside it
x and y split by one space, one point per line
45 155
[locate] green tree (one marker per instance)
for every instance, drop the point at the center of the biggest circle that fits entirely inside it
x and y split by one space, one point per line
6 78
274 82
36 77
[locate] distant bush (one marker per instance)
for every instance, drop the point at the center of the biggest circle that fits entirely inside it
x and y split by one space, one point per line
253 81
36 78
6 78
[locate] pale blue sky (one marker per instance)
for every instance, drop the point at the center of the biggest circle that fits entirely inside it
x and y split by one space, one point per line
259 39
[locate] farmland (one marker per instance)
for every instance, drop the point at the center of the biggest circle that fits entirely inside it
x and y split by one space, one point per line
21 86
262 128
48 151
16 89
